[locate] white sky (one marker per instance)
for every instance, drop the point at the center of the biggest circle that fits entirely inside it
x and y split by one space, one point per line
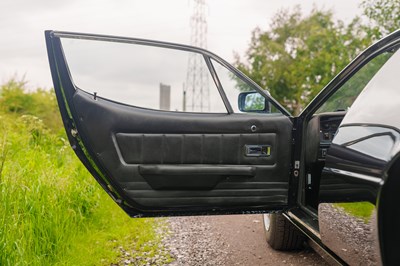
230 23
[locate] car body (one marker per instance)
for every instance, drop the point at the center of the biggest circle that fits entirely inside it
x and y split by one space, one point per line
236 158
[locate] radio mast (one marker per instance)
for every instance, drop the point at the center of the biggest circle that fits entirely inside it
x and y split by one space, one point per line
196 92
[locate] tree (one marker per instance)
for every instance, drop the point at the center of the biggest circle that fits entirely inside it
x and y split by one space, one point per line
299 54
383 16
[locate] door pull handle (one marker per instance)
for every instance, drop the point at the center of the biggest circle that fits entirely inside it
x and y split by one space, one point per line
258 150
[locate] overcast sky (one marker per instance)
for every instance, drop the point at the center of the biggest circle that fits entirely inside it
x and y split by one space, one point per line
230 23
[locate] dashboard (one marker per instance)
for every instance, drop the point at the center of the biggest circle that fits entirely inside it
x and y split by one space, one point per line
328 126
320 132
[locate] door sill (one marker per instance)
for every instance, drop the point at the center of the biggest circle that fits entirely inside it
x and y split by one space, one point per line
306 221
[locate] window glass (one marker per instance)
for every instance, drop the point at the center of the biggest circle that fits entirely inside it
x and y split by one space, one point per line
379 101
233 86
143 76
344 97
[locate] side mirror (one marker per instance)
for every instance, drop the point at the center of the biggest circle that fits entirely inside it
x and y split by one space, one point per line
253 102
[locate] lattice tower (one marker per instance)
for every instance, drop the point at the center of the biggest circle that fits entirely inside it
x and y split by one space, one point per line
196 94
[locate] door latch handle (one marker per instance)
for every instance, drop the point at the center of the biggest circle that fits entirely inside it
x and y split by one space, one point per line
258 150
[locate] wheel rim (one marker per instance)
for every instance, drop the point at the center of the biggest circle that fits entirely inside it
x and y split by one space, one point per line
267 221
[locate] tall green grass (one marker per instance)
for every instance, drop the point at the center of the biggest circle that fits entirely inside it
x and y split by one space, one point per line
51 210
362 210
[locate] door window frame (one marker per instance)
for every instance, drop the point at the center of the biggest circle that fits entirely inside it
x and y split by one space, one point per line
207 55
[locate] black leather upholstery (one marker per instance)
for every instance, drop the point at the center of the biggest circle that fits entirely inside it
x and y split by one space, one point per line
172 160
193 148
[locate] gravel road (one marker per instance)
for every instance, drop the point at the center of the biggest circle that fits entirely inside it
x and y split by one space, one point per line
239 240
351 238
228 240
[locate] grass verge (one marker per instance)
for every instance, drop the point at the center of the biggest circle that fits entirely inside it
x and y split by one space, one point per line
52 212
361 210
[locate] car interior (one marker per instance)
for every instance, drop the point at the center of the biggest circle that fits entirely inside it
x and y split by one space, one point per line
321 130
322 126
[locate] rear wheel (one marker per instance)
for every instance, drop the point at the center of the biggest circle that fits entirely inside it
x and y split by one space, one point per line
281 234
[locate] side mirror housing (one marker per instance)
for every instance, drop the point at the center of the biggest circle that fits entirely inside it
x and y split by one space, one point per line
253 102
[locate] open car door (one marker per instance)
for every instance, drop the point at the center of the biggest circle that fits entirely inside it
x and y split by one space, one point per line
220 145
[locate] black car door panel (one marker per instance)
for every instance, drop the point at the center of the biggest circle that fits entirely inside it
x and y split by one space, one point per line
181 159
155 162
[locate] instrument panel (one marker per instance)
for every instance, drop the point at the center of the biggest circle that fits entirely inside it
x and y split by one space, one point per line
328 126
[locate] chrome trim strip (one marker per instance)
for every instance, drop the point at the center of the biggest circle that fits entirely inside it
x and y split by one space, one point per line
309 228
375 180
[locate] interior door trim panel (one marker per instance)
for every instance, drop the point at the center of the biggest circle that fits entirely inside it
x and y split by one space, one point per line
166 151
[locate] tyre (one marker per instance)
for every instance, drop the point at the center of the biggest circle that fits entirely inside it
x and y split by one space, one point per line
281 234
